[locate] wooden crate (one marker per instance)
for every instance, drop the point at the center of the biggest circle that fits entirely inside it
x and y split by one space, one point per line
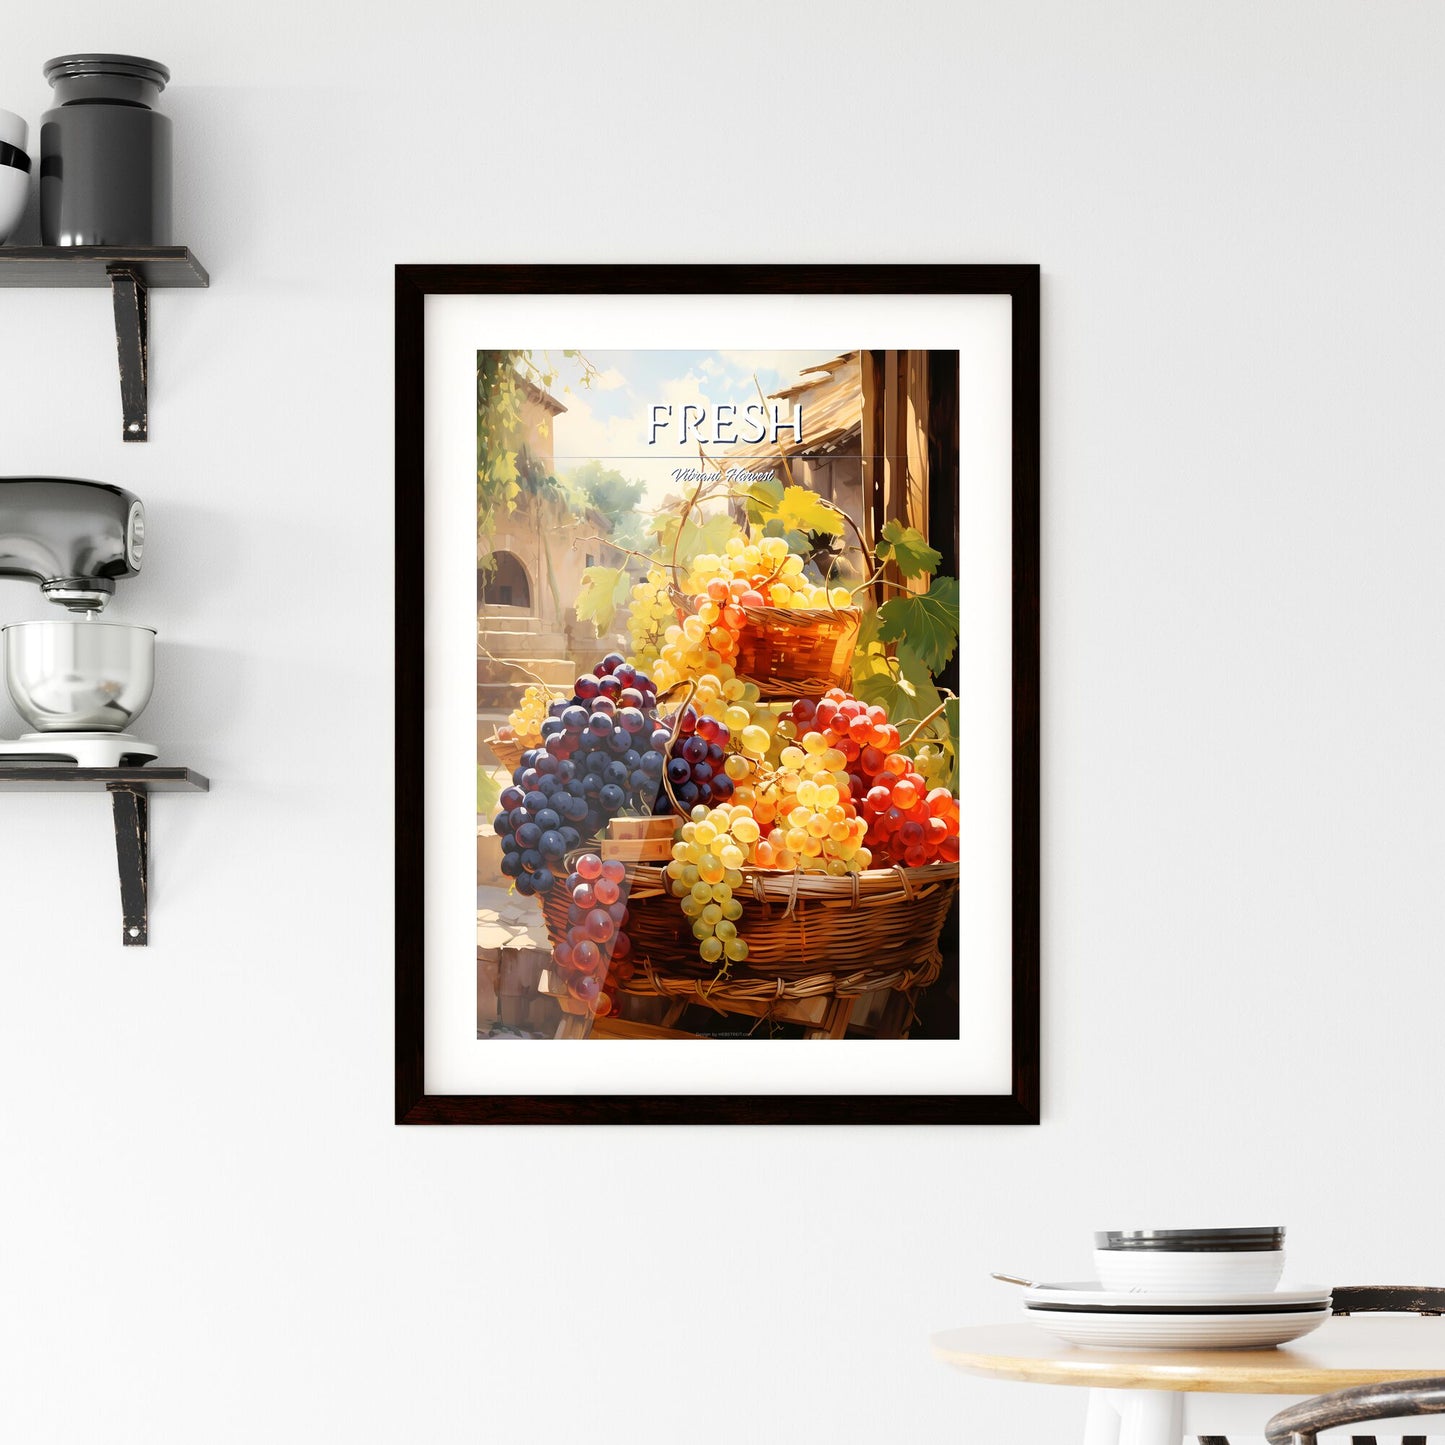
640 840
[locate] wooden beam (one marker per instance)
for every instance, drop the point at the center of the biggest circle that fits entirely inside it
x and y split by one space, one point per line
872 448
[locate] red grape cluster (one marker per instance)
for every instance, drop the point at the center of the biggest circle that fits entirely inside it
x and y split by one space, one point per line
861 733
907 823
596 954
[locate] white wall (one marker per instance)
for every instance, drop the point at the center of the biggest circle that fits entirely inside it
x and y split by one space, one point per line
209 1228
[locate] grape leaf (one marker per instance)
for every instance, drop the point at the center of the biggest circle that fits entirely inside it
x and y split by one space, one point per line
803 511
907 547
603 591
488 791
868 653
916 673
907 696
796 541
884 690
929 620
764 497
711 535
868 630
870 657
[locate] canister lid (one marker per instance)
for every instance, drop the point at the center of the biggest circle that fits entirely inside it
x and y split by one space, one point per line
134 67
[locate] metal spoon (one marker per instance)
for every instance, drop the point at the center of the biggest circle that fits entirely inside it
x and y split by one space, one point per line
1015 1279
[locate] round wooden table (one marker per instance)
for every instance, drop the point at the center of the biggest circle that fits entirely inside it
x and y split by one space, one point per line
1162 1397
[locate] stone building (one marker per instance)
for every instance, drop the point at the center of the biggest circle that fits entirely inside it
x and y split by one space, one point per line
528 588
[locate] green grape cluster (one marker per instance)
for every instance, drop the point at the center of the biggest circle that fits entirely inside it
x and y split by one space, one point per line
931 762
649 617
705 871
525 720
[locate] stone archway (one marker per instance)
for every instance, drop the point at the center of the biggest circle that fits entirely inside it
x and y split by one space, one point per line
505 584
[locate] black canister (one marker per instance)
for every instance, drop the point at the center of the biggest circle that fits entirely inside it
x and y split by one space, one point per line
105 153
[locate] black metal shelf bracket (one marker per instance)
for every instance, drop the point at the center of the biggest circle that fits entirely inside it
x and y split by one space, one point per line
131 809
130 790
130 298
131 273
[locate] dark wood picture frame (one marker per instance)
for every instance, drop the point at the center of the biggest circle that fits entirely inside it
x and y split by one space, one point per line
414 283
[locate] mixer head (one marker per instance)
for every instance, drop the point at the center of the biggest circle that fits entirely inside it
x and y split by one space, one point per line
73 538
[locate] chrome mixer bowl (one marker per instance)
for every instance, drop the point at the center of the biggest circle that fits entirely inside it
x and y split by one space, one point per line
79 676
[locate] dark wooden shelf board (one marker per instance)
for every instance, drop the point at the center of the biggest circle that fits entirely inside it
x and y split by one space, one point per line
91 265
57 778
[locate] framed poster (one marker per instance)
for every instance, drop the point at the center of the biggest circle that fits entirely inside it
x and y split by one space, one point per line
717 680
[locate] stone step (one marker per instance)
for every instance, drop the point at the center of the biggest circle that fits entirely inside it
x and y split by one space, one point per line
518 649
530 657
529 639
499 697
505 681
509 621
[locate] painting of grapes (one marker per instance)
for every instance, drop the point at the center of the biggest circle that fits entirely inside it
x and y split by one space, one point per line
717 715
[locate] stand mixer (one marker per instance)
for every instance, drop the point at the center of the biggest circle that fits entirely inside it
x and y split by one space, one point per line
78 682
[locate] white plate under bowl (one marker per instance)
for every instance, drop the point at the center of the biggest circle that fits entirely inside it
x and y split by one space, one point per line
1092 1293
1176 1332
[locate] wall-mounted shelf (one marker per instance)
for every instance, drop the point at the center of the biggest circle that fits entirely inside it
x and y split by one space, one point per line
130 272
130 790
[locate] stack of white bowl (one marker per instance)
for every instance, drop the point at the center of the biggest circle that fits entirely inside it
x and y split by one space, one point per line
1190 1261
14 171
1181 1289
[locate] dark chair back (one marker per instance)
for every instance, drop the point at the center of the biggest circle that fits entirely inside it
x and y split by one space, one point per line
1301 1424
1363 1299
1398 1299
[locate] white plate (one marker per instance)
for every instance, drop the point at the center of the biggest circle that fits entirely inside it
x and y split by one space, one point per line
1176 1332
1090 1292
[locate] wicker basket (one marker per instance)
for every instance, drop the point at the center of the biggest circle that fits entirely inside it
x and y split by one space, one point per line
796 924
742 988
508 753
792 652
743 992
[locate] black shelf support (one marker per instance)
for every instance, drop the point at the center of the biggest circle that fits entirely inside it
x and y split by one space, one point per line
130 792
130 298
131 809
131 273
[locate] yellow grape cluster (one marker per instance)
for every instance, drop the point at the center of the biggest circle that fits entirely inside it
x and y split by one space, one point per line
796 816
695 648
527 717
807 812
760 573
706 869
649 617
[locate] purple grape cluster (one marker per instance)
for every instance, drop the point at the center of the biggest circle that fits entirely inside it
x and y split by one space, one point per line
602 753
695 768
